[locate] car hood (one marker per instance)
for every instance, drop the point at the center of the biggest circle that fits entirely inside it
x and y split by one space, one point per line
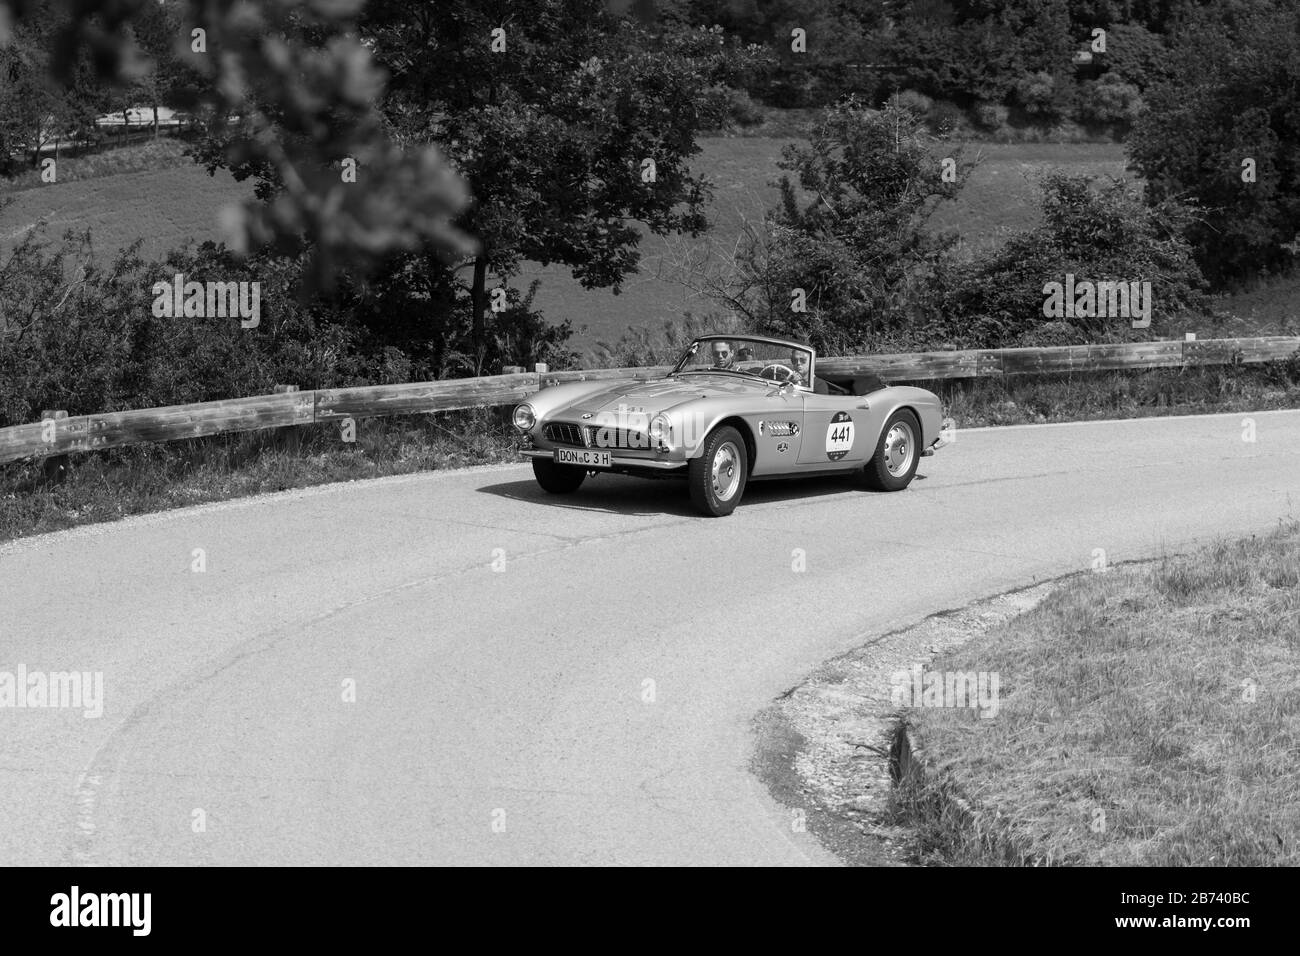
661 394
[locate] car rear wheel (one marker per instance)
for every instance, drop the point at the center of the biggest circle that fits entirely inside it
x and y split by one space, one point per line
717 477
897 453
557 479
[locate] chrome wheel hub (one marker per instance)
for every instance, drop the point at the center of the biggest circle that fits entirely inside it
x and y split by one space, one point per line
726 471
900 449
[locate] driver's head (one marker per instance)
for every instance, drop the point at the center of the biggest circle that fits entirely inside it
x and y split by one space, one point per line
721 354
799 362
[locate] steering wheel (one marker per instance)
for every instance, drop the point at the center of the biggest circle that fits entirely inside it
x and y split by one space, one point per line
785 373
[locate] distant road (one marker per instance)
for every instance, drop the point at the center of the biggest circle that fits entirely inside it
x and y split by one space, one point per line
507 716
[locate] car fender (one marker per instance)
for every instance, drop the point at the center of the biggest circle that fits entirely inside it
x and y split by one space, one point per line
700 416
924 404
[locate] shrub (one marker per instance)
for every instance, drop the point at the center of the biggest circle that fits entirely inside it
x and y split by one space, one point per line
742 110
918 104
944 118
1099 234
992 116
83 337
1110 101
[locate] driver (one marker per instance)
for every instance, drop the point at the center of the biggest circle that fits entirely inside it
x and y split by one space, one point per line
722 357
799 362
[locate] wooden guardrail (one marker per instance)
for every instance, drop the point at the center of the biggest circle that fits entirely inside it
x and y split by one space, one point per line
55 435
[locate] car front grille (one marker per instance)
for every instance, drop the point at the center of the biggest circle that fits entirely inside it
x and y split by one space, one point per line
562 433
618 438
592 436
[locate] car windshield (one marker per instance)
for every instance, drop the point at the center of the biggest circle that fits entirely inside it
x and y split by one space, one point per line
773 361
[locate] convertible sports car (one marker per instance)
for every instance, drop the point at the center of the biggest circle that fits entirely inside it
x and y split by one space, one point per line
734 408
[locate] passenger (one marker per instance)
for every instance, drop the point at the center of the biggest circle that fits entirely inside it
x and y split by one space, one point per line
799 361
722 357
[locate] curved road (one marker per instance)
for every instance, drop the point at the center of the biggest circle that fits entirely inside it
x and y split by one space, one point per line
537 680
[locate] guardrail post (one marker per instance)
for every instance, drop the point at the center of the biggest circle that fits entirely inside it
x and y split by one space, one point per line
288 438
55 467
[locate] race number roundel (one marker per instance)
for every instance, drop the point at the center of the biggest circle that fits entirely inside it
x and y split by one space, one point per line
839 436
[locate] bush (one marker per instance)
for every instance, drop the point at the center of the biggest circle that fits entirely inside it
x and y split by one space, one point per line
1095 234
518 335
1051 334
918 104
78 336
1037 94
742 111
85 338
1110 101
992 116
944 118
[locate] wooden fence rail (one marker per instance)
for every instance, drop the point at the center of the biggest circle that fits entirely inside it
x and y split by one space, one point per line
60 435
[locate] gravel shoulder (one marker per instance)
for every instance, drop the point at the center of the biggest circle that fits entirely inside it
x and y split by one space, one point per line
824 745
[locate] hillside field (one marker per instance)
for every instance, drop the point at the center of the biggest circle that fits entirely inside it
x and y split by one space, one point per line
165 206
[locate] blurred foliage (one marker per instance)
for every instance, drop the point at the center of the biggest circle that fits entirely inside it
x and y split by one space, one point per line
305 88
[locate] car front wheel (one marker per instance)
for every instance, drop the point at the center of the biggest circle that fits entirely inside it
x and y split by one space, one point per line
717 477
557 479
897 453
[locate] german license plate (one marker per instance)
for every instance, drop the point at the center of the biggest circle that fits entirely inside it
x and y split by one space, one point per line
585 457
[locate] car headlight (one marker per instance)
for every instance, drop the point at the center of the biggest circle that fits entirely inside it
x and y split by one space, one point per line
525 418
661 432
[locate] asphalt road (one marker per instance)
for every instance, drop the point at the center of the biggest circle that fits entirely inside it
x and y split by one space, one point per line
505 716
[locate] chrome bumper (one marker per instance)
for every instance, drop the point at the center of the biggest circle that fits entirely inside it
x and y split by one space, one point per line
949 427
658 464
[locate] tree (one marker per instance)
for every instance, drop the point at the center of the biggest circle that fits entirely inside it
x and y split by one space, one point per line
845 260
1223 132
573 127
35 109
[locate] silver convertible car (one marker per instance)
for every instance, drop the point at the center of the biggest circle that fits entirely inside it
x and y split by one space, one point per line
733 408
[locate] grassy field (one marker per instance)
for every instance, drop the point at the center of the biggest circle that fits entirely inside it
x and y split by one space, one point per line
160 153
1147 716
163 207
166 205
1000 197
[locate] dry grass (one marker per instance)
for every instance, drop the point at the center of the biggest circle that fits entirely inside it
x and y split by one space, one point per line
1068 397
166 152
1165 696
105 486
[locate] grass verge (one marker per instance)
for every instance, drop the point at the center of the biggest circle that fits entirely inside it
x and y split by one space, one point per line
165 152
1148 716
1093 396
107 485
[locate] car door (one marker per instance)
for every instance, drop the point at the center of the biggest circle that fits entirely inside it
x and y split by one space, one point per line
837 431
